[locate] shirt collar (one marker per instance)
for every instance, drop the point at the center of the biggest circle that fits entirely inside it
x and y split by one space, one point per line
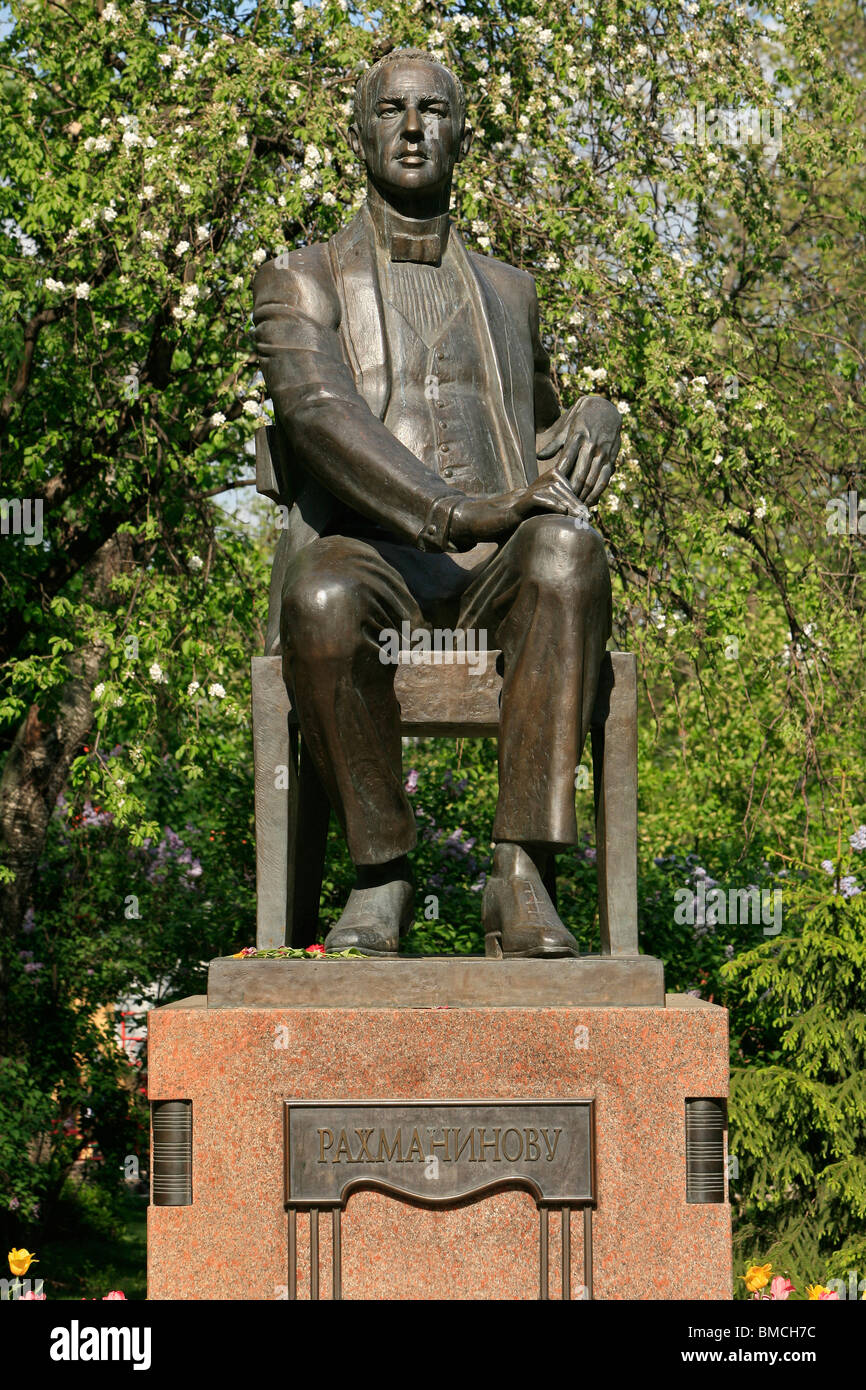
408 238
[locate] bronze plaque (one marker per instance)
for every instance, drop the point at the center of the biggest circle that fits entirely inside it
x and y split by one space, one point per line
437 1151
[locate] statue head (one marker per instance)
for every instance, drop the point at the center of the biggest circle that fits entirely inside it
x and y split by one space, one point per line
409 127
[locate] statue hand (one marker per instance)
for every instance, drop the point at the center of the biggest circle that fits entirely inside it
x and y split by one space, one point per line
494 518
586 439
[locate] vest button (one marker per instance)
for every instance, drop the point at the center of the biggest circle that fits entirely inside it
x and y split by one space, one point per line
447 472
443 448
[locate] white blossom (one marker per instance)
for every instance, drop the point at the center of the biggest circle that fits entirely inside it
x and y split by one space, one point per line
82 290
192 688
196 562
329 198
98 691
130 138
202 233
761 509
259 255
55 286
181 248
110 14
217 418
242 142
216 690
164 59
157 674
252 407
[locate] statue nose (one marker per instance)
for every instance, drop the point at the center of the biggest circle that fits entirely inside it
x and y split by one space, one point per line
412 127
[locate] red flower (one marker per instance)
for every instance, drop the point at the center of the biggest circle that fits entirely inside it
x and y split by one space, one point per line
115 1293
314 951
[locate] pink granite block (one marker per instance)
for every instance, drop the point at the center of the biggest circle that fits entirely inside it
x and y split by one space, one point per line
238 1066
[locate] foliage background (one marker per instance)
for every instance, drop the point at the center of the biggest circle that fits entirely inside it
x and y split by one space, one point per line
153 156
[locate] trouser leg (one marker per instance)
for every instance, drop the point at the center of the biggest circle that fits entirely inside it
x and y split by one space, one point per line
338 595
545 601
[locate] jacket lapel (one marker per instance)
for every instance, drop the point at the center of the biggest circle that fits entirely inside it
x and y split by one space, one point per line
353 261
493 325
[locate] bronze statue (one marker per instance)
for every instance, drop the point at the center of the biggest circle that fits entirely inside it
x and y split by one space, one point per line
414 399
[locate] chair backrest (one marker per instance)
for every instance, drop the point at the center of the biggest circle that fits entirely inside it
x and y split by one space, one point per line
276 472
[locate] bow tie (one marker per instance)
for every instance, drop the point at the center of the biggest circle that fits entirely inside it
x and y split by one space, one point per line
425 249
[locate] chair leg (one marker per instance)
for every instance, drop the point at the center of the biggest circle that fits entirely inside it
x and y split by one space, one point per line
314 812
548 878
614 761
276 794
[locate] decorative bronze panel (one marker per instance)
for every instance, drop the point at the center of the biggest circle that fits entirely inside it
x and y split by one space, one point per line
438 1152
705 1150
171 1179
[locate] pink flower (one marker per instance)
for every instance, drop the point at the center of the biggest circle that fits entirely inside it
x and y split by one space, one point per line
314 950
115 1293
31 1297
412 782
780 1287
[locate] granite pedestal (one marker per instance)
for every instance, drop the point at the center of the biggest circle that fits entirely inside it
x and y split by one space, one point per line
239 1063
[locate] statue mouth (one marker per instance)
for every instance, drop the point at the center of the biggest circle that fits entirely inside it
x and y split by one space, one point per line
412 161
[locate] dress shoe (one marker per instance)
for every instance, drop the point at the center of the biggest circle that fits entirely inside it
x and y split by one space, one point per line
518 917
373 920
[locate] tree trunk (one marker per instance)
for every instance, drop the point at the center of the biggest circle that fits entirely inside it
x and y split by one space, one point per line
42 751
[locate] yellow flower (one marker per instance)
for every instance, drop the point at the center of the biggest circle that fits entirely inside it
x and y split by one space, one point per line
21 1260
814 1291
757 1277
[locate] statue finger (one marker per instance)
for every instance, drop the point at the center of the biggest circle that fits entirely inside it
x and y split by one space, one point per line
600 485
549 447
582 465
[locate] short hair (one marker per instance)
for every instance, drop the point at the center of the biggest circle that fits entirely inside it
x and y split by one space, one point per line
367 81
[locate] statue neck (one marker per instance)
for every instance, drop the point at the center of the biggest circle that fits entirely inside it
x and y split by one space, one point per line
406 238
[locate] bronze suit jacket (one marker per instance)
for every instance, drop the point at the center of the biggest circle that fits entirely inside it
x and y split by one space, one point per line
321 342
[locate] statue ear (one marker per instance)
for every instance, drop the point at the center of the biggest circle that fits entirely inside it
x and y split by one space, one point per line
465 141
353 137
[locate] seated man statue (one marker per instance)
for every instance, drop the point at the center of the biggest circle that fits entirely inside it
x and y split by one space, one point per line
413 399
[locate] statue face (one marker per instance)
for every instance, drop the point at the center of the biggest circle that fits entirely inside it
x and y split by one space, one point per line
411 141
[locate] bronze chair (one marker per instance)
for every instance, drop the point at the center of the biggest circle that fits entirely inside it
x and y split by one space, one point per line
449 700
